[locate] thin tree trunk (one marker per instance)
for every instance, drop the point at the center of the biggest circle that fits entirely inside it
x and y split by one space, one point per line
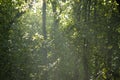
85 40
85 60
44 48
44 19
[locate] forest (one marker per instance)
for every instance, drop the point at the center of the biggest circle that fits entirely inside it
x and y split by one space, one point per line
59 39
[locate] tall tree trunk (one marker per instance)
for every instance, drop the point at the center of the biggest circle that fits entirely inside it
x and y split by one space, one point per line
85 59
86 11
44 19
44 48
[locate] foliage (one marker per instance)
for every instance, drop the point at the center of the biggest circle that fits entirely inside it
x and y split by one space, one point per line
80 40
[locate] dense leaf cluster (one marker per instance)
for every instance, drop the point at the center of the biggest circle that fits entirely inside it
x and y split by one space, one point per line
59 40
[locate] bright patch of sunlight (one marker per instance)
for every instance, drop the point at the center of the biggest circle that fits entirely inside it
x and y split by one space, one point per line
37 4
26 35
37 36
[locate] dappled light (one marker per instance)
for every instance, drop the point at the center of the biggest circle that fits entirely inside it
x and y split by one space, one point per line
59 39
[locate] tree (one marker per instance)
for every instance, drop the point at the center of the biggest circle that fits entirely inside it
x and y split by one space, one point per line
78 40
45 75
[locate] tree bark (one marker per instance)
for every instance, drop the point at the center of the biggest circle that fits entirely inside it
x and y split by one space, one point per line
85 60
44 48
